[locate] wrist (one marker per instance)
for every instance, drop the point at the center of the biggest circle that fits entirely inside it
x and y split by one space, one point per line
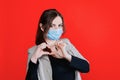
68 57
34 59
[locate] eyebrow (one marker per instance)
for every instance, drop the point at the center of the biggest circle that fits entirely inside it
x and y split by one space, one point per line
58 24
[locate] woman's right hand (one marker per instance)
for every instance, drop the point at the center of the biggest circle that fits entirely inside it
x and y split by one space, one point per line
39 52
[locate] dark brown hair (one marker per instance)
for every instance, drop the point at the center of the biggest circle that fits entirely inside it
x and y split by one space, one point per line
46 19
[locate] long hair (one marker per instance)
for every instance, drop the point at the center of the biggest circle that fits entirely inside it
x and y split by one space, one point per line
46 19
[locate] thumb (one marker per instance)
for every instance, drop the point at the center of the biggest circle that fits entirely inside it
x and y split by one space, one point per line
46 53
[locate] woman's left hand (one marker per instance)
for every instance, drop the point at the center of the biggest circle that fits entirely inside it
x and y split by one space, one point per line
60 51
61 45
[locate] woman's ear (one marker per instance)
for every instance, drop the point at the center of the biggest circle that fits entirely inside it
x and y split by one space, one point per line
41 27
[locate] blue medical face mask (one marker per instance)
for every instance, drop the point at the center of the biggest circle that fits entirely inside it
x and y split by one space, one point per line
54 34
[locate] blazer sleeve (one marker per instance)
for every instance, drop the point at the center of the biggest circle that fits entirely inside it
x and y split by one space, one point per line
32 71
78 62
30 53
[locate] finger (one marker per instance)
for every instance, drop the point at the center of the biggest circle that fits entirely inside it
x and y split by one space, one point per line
56 42
60 42
60 45
46 53
47 45
52 54
42 45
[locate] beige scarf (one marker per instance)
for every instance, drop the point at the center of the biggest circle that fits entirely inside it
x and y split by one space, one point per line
45 70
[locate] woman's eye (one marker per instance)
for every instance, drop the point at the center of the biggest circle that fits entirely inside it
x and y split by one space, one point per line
60 25
53 25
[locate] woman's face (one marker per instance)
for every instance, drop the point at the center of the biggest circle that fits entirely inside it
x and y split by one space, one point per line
56 29
57 23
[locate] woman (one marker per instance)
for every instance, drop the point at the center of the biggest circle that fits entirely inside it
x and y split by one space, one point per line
53 58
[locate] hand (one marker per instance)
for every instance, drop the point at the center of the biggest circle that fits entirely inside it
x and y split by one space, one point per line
39 52
62 46
57 53
60 52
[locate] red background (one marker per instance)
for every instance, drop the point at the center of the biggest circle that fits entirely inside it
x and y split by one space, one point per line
92 26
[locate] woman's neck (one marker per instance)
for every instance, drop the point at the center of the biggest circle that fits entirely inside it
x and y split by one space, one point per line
50 42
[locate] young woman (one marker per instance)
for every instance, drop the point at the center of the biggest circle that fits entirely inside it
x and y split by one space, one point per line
54 58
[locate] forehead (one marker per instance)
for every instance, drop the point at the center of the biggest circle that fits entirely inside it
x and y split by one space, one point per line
57 20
